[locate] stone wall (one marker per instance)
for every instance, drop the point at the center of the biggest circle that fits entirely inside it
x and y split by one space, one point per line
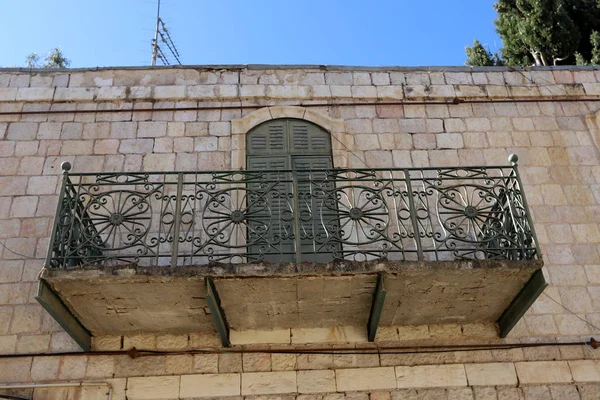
127 120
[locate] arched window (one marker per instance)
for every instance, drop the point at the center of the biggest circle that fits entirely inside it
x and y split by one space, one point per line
298 146
288 144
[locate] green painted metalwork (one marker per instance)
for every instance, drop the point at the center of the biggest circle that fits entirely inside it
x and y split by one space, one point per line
55 307
291 215
217 313
519 306
376 308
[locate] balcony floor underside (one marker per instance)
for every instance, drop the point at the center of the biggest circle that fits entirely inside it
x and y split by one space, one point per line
129 299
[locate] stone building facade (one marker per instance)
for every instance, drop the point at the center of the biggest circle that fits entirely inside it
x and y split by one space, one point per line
197 118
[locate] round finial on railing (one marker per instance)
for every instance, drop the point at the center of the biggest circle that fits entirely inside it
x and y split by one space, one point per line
65 166
513 159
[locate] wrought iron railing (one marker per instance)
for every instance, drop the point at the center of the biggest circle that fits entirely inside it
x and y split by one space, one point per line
195 218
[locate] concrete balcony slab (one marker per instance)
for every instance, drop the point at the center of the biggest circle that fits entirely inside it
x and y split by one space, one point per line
130 299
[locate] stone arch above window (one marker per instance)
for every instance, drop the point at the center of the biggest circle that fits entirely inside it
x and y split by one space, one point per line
341 144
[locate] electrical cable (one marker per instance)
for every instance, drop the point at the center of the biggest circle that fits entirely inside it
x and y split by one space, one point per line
18 254
572 312
386 350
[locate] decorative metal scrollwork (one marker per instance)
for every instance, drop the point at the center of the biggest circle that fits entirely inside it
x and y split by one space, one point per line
286 216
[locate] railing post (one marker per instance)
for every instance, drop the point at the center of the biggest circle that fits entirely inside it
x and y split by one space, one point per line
66 167
177 221
514 159
413 214
297 230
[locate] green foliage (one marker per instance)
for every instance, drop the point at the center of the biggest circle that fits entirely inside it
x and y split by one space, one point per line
54 59
478 56
580 60
536 31
595 51
548 32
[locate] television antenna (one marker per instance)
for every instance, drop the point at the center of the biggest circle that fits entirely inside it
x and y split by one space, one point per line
162 33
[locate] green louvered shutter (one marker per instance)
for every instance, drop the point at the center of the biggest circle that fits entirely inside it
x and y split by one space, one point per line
270 234
308 138
301 146
268 139
311 190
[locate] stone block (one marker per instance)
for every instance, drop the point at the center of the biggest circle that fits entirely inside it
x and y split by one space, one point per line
22 131
585 371
380 78
390 92
45 368
219 128
196 386
26 319
206 144
159 162
100 367
363 92
109 146
169 92
288 92
38 185
457 78
449 141
77 147
260 383
543 372
338 78
8 343
171 342
316 381
255 337
367 142
72 367
7 149
365 379
35 94
426 376
226 91
230 362
100 343
122 130
256 362
111 93
339 334
17 370
283 362
152 129
8 94
10 271
153 388
33 344
206 363
252 90
73 94
493 374
179 364
136 146
414 125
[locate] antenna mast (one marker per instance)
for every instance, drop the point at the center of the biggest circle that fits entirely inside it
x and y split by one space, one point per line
165 37
155 41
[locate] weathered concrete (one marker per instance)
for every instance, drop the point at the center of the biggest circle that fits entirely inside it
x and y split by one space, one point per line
130 299
431 296
128 305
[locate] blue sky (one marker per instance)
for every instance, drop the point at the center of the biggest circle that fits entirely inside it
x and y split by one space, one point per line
341 32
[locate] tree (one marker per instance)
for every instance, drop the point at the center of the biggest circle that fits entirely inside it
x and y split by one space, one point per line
54 59
540 29
548 32
478 56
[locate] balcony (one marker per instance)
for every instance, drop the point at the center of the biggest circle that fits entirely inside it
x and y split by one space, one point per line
184 252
